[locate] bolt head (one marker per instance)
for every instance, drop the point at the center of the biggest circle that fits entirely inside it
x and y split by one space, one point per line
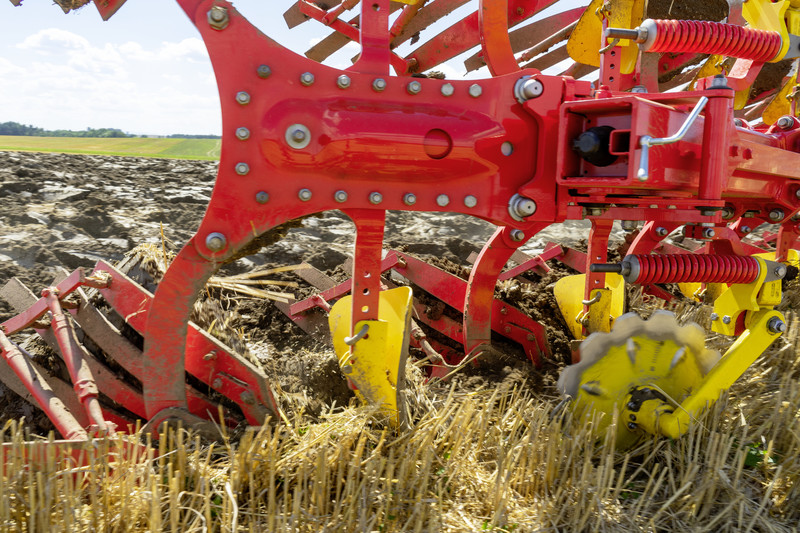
410 199
340 196
470 201
217 383
785 122
632 426
739 123
243 98
776 325
306 78
448 89
262 197
298 136
218 18
343 81
776 215
379 84
780 271
714 317
475 90
304 194
216 241
727 213
242 169
746 229
347 369
264 71
442 200
506 148
517 235
726 319
414 87
375 198
242 134
661 232
709 233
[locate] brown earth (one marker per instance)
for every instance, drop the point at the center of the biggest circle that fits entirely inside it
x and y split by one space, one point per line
68 211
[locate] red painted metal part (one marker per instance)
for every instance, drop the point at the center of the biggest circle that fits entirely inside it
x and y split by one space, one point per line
108 8
705 37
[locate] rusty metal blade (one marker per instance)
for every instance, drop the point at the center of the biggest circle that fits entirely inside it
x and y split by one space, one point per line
531 34
465 34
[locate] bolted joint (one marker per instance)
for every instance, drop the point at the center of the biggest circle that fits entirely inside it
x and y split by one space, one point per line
442 200
343 81
218 17
262 197
243 98
727 213
527 88
340 196
475 90
379 85
776 215
745 229
661 231
304 194
410 198
776 325
708 233
517 235
307 79
375 198
242 133
242 169
785 123
521 207
448 89
297 136
414 87
216 241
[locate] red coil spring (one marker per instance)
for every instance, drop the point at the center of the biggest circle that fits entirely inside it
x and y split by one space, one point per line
704 37
686 268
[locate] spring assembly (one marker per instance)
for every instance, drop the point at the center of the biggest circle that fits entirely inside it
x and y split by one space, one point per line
683 268
704 37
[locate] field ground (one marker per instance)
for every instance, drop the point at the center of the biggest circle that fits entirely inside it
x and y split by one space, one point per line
205 149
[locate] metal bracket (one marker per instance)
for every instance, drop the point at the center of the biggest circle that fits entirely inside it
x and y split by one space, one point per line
647 141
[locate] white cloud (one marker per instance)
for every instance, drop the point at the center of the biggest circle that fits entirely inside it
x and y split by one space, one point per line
53 39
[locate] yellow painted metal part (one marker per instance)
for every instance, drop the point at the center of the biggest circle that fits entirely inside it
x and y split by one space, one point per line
740 298
585 40
569 291
656 353
766 15
781 103
673 420
375 364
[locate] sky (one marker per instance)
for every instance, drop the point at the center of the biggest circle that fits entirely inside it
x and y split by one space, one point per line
145 71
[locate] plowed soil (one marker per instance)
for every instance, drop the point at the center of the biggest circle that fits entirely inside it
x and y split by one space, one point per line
68 211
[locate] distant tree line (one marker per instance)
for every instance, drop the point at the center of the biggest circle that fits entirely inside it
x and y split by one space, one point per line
14 128
185 136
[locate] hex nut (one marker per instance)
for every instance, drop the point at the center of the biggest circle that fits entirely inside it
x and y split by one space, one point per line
379 84
264 71
475 90
410 199
216 241
304 194
343 81
243 98
242 133
448 89
218 18
307 78
470 201
414 87
340 196
242 169
375 198
262 197
442 200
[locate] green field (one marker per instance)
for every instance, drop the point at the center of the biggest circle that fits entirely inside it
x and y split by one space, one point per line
131 146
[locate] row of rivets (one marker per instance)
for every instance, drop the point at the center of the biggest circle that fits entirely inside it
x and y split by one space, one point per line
375 198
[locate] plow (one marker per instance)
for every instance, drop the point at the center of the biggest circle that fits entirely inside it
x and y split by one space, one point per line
670 126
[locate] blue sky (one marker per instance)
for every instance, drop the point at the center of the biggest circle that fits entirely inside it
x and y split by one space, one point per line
145 71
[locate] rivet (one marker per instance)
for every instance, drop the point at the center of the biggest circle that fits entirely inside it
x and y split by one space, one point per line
262 197
442 200
506 148
242 168
475 90
379 84
304 194
242 134
343 81
470 201
375 198
243 98
414 87
410 199
264 71
448 89
517 235
216 241
340 196
306 78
